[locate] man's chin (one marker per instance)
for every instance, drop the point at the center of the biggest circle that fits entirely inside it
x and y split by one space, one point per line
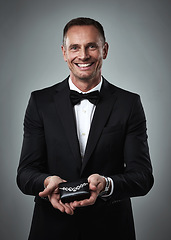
85 78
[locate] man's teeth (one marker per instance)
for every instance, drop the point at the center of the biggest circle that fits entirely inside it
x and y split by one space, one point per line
84 65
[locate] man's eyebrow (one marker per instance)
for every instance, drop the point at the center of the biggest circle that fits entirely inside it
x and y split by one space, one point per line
73 45
92 43
88 44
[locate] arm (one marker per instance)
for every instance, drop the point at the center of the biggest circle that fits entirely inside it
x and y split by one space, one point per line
32 175
137 178
32 169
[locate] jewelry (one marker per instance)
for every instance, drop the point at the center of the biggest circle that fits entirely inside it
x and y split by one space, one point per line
74 189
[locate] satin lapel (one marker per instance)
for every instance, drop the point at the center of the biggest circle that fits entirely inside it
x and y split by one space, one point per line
100 118
65 111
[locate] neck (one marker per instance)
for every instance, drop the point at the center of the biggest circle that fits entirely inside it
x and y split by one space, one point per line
85 85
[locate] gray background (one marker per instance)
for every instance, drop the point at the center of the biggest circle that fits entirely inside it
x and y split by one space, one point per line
138 32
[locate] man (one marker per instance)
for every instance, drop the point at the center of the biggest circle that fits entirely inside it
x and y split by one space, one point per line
104 141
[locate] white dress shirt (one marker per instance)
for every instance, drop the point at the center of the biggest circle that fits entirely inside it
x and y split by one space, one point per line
84 112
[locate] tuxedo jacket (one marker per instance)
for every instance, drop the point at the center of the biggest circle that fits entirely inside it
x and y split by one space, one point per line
117 147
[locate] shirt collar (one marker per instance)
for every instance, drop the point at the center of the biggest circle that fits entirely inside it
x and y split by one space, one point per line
96 88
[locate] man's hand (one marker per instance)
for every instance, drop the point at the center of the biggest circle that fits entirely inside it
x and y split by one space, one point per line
97 184
52 192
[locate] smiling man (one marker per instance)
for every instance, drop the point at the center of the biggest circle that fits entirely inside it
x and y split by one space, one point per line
84 50
84 128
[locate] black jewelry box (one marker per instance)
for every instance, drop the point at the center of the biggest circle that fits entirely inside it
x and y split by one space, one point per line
74 191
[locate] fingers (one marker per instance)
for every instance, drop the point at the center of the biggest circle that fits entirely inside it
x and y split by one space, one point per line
54 199
47 191
96 182
56 203
86 202
68 208
52 192
51 185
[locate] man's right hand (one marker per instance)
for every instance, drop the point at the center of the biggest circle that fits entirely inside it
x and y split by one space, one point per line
52 192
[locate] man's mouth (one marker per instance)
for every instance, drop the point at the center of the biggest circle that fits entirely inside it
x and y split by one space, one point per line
84 65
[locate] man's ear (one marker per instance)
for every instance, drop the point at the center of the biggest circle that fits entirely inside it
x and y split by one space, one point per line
64 53
105 50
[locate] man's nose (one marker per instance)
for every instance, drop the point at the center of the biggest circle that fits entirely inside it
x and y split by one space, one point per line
84 54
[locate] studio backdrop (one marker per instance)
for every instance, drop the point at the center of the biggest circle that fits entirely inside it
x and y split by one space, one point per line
138 33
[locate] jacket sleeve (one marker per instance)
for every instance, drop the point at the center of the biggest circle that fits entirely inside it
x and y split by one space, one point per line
32 169
137 178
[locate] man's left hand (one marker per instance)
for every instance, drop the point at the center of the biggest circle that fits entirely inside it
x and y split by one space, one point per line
97 184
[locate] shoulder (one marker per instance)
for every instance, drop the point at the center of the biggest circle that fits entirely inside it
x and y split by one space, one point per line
120 93
126 96
46 95
126 102
51 89
43 97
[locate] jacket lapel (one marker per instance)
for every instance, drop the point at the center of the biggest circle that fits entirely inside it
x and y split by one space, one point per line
100 118
65 112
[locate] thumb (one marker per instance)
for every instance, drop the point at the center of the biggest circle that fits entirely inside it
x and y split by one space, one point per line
92 187
51 187
47 191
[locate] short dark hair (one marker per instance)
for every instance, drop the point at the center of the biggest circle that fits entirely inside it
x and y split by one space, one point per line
83 21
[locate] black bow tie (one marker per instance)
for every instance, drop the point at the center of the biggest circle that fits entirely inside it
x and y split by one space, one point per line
76 97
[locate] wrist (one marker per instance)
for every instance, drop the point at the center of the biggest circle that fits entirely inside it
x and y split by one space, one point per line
104 184
107 187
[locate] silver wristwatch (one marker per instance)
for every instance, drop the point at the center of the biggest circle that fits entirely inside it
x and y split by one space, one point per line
107 187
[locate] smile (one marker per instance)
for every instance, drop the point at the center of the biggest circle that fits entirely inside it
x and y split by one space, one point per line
84 65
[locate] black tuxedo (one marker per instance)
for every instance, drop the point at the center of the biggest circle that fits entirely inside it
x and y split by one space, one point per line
117 147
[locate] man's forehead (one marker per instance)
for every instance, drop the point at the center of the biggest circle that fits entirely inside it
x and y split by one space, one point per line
80 34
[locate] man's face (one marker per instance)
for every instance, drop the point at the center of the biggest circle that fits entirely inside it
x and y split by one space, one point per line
84 51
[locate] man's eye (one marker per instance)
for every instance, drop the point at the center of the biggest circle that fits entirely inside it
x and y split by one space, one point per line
93 47
74 48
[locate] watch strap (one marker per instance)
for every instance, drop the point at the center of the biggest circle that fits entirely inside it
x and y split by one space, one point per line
107 187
